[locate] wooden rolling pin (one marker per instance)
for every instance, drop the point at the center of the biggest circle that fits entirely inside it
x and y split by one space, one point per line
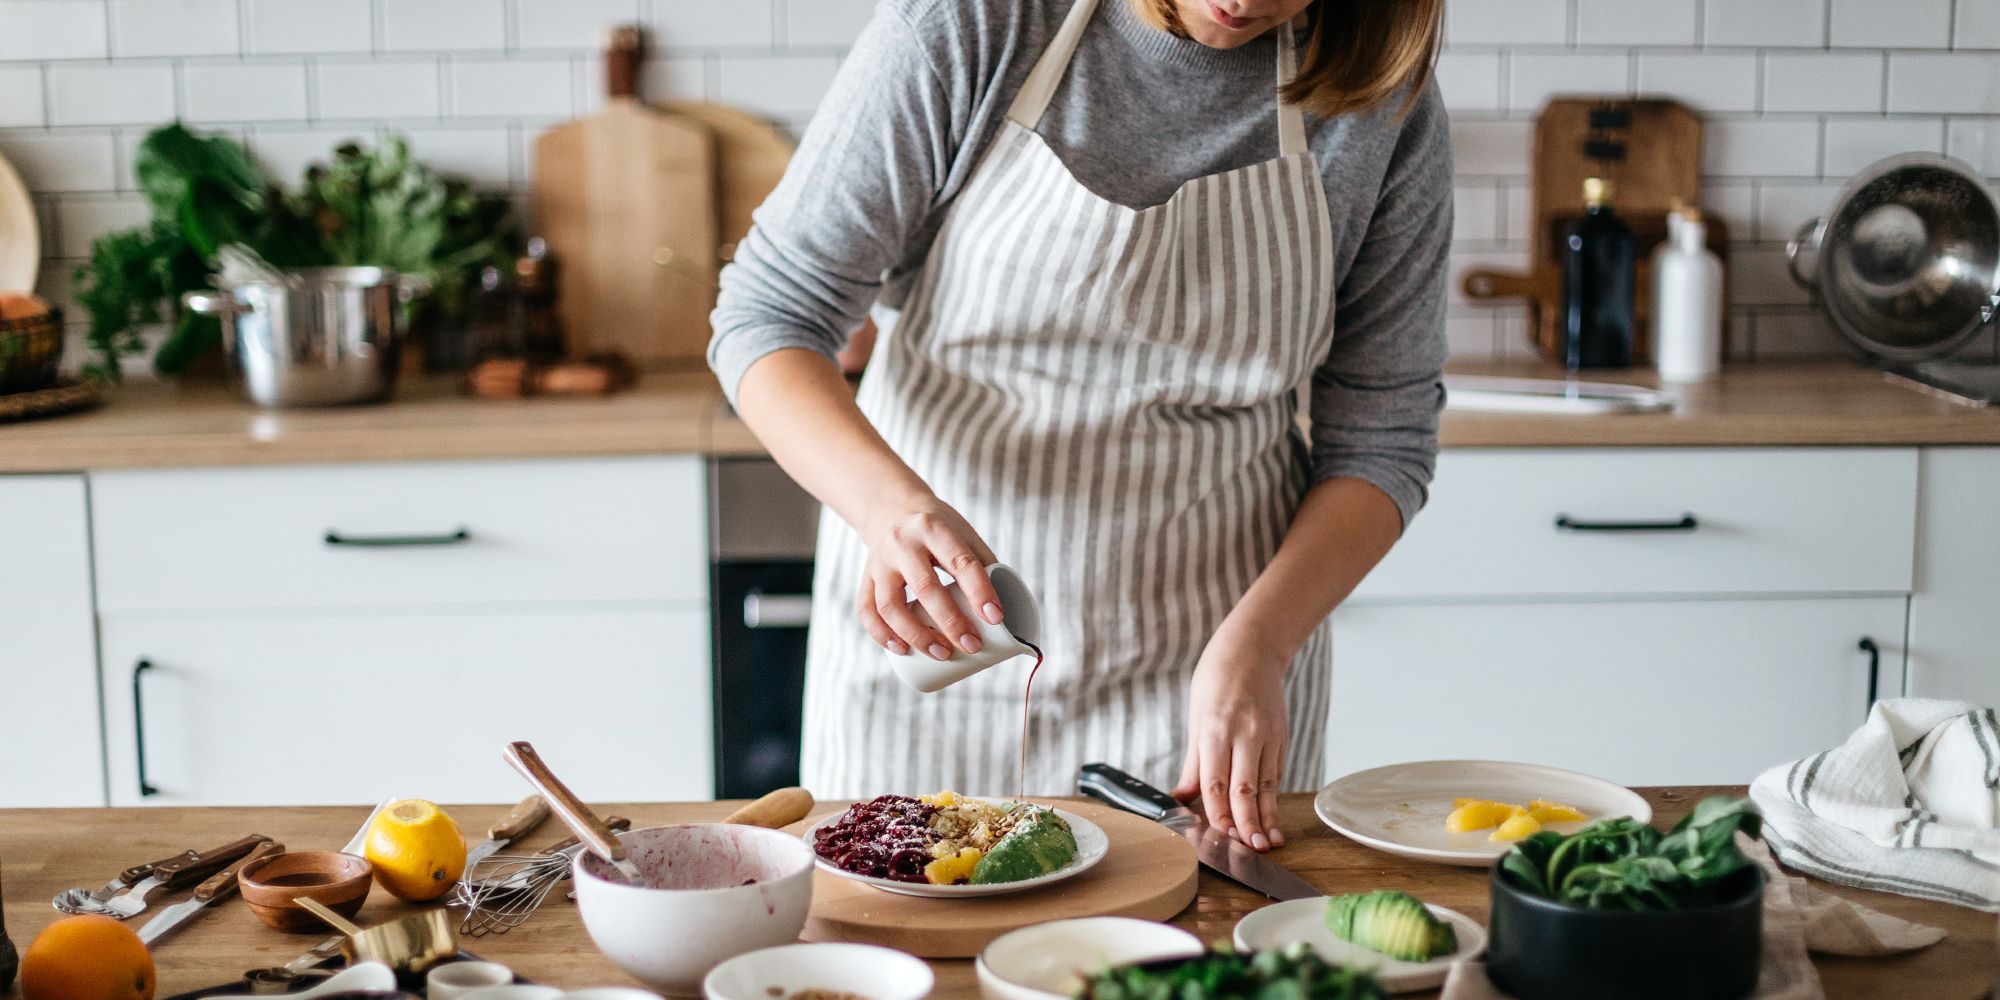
775 810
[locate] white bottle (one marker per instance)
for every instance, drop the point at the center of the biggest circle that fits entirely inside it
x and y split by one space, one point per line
1687 302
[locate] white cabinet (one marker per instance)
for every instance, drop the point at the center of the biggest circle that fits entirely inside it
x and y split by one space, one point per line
50 753
335 634
323 710
1642 693
1955 612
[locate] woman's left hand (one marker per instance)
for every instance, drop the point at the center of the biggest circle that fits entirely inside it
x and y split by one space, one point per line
1237 738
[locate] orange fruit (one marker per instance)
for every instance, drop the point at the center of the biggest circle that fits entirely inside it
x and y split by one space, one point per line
87 958
416 849
1521 824
1478 814
18 305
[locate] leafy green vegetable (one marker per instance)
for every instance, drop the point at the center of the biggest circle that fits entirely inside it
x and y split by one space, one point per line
366 207
1622 864
1293 973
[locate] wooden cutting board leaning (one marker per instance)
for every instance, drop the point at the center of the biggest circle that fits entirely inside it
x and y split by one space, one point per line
641 206
1149 873
20 235
1651 151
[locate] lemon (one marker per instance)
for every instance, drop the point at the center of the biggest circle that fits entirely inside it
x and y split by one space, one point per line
1521 824
1479 814
1545 811
416 849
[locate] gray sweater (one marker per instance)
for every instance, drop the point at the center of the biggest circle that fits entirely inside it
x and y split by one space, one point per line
1140 112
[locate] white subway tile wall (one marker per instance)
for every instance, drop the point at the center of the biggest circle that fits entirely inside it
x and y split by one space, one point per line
1796 96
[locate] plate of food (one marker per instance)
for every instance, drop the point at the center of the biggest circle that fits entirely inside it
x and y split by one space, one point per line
1407 945
950 845
1467 812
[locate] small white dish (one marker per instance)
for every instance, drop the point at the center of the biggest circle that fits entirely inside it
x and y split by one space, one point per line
713 891
515 991
861 969
1048 961
998 643
1400 808
456 979
1304 920
610 993
1091 846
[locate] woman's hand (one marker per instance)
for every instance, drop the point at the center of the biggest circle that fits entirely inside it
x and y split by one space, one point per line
907 540
1237 738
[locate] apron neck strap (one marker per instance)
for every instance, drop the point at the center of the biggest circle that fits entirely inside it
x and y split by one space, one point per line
1033 100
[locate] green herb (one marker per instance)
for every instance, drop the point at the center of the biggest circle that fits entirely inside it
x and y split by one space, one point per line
1293 973
364 208
1621 864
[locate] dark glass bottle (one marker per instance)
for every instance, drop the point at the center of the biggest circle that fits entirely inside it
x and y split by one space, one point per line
1597 261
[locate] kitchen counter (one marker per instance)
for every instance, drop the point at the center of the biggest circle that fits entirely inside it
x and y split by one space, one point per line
150 424
44 851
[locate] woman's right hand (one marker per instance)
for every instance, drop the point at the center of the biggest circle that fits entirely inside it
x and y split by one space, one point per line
907 542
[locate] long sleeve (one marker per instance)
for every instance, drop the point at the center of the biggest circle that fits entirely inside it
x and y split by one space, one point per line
853 206
1376 398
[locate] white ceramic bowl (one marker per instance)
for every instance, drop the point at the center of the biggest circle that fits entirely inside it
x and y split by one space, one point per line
861 969
712 891
456 979
1045 961
610 993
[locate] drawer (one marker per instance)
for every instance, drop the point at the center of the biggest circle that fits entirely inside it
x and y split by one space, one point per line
273 710
389 535
1804 521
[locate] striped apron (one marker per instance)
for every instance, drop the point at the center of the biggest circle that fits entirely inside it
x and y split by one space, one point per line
1108 395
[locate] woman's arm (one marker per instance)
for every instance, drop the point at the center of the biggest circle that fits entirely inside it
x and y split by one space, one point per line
1374 409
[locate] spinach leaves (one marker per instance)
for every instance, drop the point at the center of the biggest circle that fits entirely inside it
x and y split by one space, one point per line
1622 864
1294 973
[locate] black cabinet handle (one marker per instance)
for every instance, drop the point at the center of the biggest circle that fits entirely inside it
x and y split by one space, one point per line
1874 652
1687 522
334 537
146 789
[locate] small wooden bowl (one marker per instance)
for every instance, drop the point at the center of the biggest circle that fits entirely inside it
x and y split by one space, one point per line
337 881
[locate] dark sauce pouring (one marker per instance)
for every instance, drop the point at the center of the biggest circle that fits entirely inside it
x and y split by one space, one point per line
1027 695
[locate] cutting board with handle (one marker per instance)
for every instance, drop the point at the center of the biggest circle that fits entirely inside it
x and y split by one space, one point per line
751 155
1651 151
20 235
626 200
1149 872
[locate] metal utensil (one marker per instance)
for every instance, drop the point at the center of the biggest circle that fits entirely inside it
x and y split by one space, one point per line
217 888
413 943
174 874
78 899
521 756
504 891
1214 848
520 821
1907 261
316 336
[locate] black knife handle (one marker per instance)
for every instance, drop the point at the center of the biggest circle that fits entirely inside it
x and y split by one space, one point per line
1113 787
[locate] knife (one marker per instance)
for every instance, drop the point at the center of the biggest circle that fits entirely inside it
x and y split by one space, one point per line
218 888
81 901
177 873
520 821
1214 848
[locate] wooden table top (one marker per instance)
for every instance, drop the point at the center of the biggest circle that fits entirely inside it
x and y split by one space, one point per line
153 425
44 851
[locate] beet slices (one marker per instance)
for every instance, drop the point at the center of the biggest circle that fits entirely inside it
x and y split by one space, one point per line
886 837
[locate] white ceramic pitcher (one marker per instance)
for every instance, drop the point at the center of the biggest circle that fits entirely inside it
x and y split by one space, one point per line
998 643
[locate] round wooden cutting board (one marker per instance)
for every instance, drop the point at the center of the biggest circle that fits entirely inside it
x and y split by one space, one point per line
1149 872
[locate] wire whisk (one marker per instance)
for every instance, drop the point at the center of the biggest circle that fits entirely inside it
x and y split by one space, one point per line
503 891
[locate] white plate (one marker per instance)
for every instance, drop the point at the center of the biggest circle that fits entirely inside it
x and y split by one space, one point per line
1091 846
1400 808
1304 920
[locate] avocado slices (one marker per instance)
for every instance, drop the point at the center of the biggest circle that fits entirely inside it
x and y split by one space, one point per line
1040 843
1393 923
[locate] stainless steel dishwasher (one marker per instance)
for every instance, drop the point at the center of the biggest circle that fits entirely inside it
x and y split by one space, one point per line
761 532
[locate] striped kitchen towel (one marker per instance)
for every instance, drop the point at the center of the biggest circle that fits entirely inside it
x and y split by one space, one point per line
1909 804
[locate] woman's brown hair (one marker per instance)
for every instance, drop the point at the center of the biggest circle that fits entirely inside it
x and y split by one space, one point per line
1358 53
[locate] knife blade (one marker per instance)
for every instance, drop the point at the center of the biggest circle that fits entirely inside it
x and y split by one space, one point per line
1213 848
218 887
520 821
177 873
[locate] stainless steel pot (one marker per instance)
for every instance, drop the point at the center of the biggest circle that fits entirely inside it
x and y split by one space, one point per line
314 336
1907 261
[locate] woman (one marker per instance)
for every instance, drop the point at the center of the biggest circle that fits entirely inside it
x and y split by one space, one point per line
1104 253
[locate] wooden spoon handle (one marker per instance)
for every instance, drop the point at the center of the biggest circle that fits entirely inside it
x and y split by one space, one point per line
333 920
521 756
775 810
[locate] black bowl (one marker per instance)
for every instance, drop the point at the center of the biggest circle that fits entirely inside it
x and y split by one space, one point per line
1539 949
